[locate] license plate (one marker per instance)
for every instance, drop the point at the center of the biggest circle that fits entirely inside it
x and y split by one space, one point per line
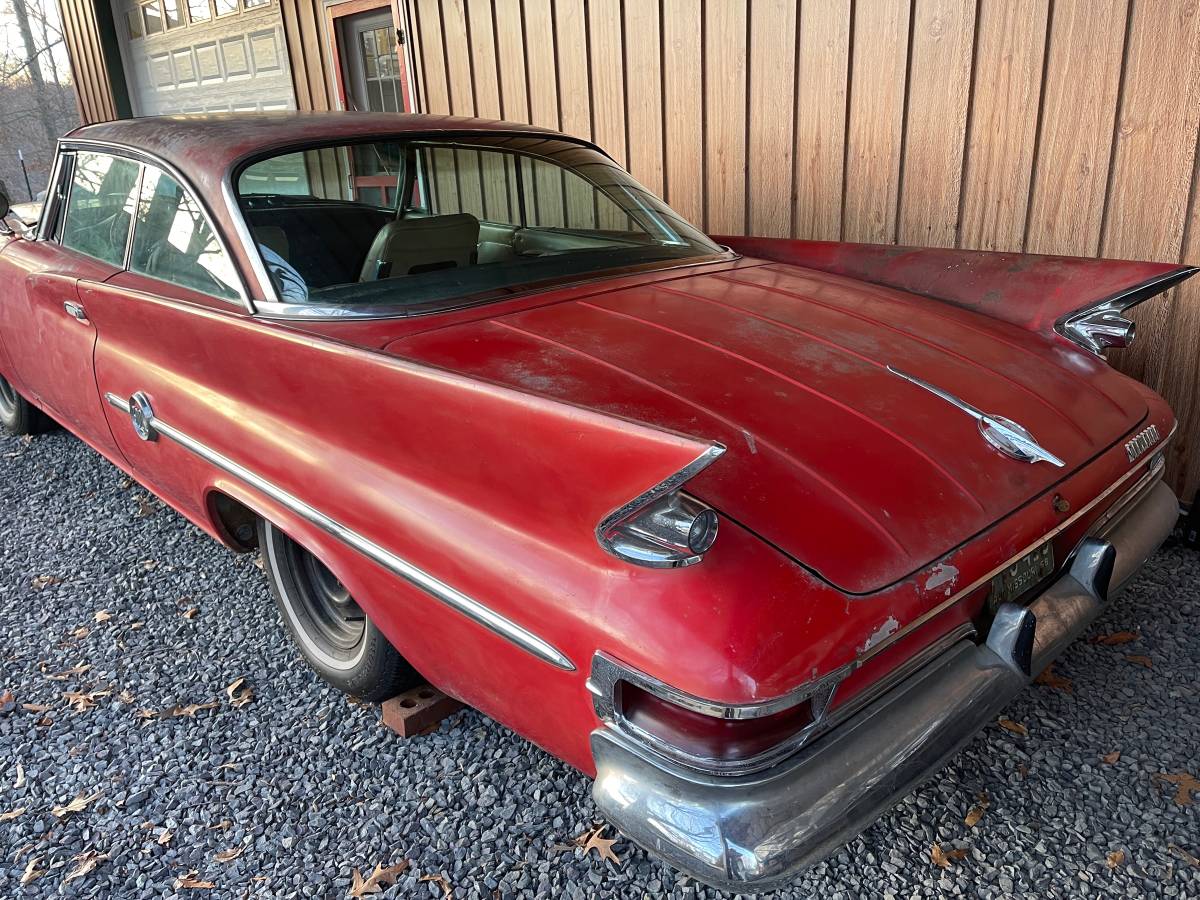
1022 576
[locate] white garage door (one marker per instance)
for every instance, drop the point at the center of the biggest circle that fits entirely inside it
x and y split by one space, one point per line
184 56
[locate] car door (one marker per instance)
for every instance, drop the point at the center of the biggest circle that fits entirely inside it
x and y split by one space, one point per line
179 276
49 334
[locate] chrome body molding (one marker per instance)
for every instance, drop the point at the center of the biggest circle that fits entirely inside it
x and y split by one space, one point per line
1005 435
1102 325
1142 441
750 832
455 599
605 530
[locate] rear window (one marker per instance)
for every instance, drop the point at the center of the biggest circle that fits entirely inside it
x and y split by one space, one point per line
421 225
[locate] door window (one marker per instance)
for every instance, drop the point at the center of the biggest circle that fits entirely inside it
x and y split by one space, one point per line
100 206
174 243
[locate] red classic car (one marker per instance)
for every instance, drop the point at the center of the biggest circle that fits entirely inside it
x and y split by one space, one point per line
756 532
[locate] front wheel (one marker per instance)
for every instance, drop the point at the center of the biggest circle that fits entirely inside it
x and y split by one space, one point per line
19 416
337 639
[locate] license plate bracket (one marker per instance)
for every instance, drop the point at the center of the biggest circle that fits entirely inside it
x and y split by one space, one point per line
1022 575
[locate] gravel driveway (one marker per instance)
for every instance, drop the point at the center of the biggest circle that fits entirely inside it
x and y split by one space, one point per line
302 786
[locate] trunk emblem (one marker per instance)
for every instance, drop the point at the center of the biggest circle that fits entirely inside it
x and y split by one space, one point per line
1143 441
1004 434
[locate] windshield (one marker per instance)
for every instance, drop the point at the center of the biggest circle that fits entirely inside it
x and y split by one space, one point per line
404 226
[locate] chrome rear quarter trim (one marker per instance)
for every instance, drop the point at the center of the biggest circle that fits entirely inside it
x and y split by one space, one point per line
435 587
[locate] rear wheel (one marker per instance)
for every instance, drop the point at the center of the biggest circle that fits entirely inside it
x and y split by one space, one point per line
18 415
337 639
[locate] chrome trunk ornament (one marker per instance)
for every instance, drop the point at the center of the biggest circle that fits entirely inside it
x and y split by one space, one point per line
1004 434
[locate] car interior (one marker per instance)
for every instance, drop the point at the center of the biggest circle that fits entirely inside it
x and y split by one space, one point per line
465 225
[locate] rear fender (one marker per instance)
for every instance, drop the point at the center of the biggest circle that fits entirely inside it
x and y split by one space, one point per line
1068 295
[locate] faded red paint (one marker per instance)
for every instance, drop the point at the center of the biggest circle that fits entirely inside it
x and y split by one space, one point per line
485 444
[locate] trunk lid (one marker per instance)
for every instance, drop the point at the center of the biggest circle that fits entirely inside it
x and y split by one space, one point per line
861 475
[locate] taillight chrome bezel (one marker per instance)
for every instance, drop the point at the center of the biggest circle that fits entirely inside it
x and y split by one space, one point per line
1103 325
607 676
664 528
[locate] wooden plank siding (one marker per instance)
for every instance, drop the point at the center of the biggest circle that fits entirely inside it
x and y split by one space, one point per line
91 67
1045 126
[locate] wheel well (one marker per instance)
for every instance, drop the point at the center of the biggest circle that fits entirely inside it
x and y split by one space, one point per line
236 522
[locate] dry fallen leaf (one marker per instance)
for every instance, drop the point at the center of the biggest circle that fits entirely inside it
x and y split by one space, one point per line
602 845
7 702
231 854
81 701
80 633
1116 638
67 673
145 507
1014 727
1051 679
1188 858
190 881
86 862
35 707
383 877
1141 661
32 872
239 693
1115 858
20 782
79 804
126 696
943 858
165 838
976 812
103 615
1185 785
136 626
441 881
42 581
12 814
191 612
188 711
1110 759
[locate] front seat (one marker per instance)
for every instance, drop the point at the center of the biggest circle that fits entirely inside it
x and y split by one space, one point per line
412 246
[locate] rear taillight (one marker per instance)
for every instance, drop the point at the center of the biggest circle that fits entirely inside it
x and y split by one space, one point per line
722 739
705 737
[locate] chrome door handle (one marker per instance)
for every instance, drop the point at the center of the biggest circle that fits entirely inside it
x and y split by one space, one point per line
75 310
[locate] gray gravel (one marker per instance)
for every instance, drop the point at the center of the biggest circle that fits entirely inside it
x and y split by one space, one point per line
311 786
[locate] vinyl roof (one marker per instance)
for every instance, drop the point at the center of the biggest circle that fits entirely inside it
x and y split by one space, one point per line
205 146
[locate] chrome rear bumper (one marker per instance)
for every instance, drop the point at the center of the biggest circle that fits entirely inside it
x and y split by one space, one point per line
750 832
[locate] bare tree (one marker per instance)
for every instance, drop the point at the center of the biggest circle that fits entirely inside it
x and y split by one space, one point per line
37 103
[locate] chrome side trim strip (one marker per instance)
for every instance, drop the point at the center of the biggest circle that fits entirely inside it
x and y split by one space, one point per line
436 588
1156 465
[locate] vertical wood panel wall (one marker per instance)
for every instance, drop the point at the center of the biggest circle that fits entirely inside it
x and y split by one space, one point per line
1049 126
89 66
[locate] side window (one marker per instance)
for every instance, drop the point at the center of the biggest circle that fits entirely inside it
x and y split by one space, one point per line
100 207
172 240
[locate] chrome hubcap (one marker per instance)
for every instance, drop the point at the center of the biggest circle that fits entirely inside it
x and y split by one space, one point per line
334 620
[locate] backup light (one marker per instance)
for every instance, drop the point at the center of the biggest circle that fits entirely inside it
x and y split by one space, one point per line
675 530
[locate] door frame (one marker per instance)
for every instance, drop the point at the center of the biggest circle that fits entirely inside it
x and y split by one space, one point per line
336 11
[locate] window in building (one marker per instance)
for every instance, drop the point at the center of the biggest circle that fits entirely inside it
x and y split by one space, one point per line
225 7
152 22
199 10
250 4
100 206
173 242
174 15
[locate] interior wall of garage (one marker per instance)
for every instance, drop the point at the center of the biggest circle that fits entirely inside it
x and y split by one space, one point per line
1046 126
